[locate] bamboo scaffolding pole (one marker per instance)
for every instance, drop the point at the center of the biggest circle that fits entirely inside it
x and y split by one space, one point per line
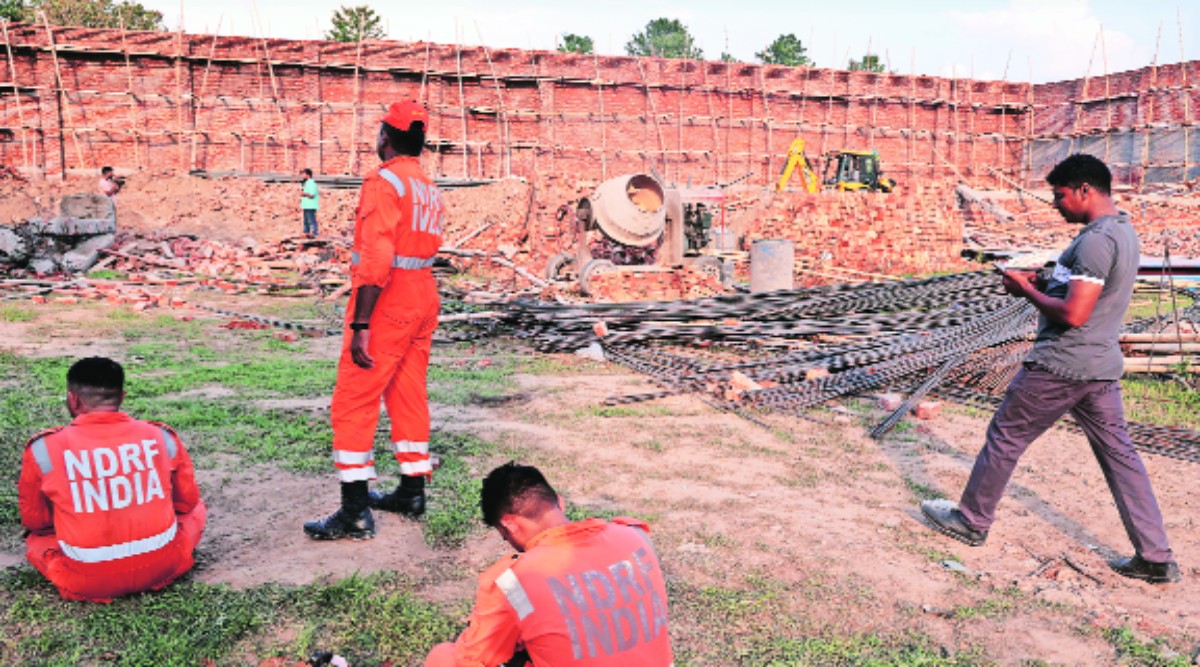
912 108
971 120
64 103
1078 103
27 156
716 141
284 129
352 161
212 49
179 92
954 118
502 125
728 124
828 116
554 121
767 124
462 103
425 75
603 124
1149 115
134 107
1029 123
1000 145
662 146
874 111
1187 102
1107 98
679 117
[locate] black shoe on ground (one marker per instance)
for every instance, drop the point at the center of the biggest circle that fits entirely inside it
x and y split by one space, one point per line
945 518
405 504
341 524
1138 568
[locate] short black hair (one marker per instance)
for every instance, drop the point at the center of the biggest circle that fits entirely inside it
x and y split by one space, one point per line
515 489
307 172
105 171
1079 169
407 142
97 380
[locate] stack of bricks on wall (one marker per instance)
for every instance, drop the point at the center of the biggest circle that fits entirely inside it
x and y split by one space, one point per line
532 130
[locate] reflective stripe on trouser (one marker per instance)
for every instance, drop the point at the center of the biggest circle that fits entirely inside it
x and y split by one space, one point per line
413 457
400 343
100 582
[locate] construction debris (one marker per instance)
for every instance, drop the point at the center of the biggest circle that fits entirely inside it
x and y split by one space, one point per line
70 241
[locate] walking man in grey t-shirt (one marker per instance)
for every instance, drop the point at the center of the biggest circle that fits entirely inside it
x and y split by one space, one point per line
1075 366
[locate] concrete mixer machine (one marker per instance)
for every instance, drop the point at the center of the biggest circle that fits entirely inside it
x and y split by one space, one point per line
630 223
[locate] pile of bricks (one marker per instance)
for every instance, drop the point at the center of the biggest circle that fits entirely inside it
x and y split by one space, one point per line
1161 222
914 230
633 283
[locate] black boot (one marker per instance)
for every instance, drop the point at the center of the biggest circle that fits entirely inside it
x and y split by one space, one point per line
353 519
407 500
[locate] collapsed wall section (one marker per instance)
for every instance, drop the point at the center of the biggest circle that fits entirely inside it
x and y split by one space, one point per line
79 98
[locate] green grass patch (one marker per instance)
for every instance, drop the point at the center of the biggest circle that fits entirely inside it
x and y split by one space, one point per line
367 619
865 650
14 313
107 274
1150 305
1133 651
1160 401
922 491
608 411
454 505
453 384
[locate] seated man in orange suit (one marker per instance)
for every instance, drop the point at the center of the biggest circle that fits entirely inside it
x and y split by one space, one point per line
588 593
110 502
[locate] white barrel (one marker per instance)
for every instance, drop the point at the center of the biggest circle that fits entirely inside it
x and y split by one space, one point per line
772 265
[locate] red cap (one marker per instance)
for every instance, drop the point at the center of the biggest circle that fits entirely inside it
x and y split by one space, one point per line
400 115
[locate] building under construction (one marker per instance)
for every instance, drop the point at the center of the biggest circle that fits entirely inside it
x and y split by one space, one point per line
74 98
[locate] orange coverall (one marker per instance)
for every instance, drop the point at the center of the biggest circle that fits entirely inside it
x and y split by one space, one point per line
111 505
588 593
397 232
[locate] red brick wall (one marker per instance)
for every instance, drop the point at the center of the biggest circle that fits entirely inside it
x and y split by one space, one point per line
182 102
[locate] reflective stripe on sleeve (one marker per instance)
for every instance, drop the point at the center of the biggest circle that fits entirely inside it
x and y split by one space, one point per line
1089 279
117 551
394 180
410 447
515 592
416 468
399 262
356 474
41 455
170 442
353 458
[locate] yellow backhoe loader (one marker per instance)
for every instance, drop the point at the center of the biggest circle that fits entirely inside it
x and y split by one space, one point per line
844 170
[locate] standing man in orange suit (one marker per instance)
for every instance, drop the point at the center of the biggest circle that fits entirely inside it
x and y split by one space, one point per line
390 320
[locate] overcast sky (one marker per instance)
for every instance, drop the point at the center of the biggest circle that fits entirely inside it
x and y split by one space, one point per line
1018 40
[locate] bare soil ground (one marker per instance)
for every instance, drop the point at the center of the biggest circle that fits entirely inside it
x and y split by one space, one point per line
817 513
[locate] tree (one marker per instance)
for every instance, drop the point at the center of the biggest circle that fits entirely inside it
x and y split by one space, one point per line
91 13
870 63
355 24
727 57
576 44
664 38
12 10
785 50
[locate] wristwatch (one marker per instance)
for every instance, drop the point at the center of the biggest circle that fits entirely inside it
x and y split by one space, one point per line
360 326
